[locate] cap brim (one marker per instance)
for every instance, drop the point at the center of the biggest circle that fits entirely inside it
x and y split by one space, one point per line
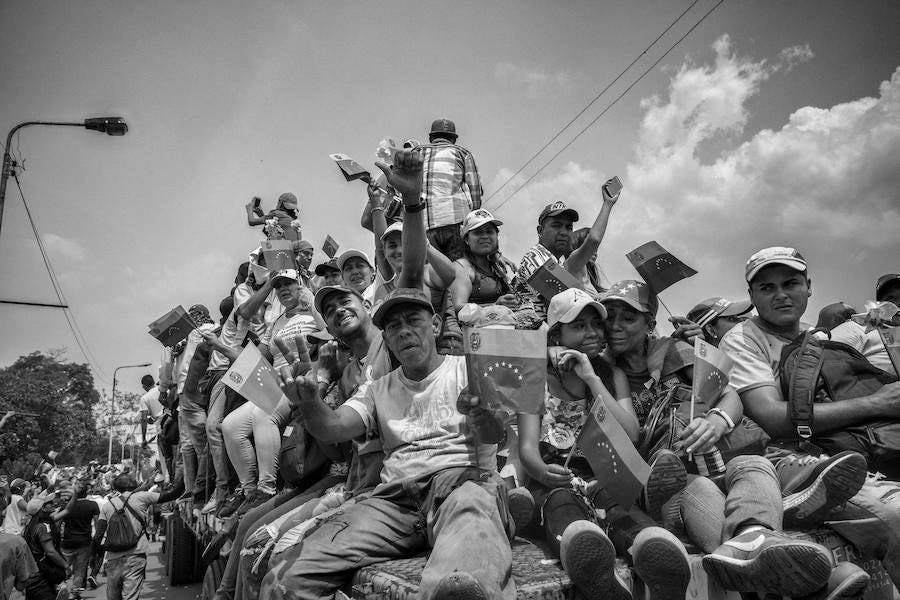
797 265
342 260
326 291
737 308
569 212
482 223
324 268
573 312
386 306
319 337
629 301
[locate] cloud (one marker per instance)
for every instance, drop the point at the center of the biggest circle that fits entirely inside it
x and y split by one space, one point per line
826 182
58 246
535 81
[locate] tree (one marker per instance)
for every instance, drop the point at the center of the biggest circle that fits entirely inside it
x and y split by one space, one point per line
61 393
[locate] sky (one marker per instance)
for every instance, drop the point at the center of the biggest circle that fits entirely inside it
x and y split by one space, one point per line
772 123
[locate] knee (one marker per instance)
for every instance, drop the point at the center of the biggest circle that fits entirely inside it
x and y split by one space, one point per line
743 465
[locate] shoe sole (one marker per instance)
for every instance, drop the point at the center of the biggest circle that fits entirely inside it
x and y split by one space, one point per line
852 587
459 586
521 510
667 477
664 568
794 568
590 561
837 483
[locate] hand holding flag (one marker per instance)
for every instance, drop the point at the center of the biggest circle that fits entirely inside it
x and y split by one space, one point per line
173 326
350 169
507 367
279 255
711 368
552 278
657 266
252 377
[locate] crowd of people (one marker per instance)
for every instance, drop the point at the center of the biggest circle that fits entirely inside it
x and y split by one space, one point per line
376 450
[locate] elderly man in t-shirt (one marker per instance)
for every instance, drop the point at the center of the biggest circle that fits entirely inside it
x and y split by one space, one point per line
780 287
439 487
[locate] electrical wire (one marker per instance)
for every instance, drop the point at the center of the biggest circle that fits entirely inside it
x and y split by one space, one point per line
609 106
57 288
591 103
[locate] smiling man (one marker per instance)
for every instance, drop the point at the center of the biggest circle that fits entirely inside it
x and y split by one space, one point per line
780 287
554 231
356 269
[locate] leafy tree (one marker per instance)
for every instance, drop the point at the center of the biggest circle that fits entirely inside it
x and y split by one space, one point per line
63 396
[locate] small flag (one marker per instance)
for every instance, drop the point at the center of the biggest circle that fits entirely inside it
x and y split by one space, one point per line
279 255
252 377
507 367
714 311
350 169
259 273
711 368
891 338
552 278
878 314
330 247
658 267
173 326
613 458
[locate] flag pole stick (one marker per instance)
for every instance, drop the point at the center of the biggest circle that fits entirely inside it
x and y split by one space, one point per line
664 305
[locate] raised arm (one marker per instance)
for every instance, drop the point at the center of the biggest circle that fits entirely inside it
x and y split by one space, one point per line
579 258
440 271
252 305
406 177
255 215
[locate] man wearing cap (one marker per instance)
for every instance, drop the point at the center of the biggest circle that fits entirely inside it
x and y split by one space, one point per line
328 273
869 343
715 316
554 231
780 287
356 270
438 485
451 187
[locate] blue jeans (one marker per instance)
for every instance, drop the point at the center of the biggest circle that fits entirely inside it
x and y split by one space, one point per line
125 576
192 434
77 560
453 511
752 497
214 417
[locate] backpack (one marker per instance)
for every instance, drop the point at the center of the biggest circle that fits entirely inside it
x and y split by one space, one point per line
120 533
814 371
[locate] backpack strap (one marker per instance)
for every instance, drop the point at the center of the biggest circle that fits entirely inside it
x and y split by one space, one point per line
137 516
802 386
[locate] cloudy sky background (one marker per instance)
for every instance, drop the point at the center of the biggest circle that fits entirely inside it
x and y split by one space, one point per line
772 123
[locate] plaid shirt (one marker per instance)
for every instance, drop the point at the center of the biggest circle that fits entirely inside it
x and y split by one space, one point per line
451 186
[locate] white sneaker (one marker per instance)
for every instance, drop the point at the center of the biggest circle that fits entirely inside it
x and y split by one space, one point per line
210 506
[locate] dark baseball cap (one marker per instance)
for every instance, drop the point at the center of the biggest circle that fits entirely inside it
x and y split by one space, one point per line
401 296
326 291
556 209
445 126
715 307
884 281
329 265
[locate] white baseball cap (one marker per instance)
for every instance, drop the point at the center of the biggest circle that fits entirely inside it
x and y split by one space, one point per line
567 305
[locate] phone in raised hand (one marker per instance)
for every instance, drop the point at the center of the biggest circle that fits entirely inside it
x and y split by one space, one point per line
613 187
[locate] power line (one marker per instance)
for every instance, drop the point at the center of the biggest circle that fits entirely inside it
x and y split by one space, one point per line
57 288
591 103
610 105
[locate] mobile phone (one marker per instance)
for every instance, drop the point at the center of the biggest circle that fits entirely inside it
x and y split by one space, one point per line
256 201
613 187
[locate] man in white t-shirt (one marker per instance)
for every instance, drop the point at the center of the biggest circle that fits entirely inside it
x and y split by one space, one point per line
439 484
151 411
780 287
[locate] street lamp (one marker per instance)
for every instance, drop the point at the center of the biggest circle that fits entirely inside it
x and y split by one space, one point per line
112 405
114 126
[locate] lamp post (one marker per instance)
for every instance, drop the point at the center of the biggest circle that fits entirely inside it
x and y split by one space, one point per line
112 405
115 126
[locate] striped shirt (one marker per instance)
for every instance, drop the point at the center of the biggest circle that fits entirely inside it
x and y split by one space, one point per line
451 187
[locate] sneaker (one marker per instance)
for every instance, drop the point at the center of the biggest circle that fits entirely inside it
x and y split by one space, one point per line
210 507
661 561
459 585
231 504
589 558
769 562
92 582
667 477
847 580
812 486
521 507
257 498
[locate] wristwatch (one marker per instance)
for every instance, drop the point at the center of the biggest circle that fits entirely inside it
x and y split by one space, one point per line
724 415
414 208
